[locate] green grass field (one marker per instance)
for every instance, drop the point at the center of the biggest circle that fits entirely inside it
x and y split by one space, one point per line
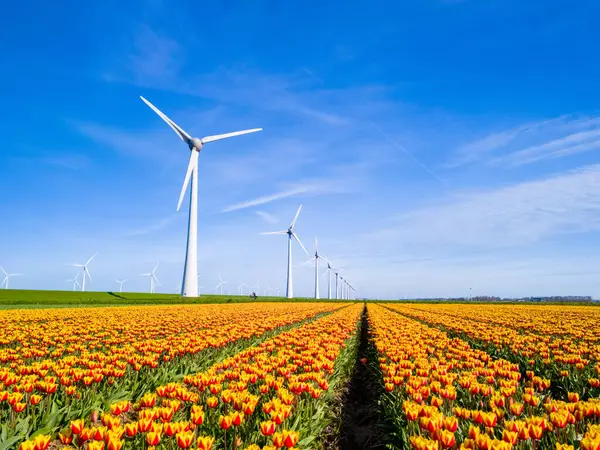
12 298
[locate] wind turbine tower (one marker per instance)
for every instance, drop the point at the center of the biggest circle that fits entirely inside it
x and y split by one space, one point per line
190 282
86 271
289 292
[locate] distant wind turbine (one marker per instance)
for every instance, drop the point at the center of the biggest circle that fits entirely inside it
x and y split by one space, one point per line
289 292
85 271
315 260
328 272
7 277
221 284
190 282
241 287
153 280
121 284
74 281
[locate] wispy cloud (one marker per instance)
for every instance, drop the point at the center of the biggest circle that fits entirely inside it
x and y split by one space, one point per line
267 217
71 162
520 214
266 199
155 226
556 148
530 142
156 61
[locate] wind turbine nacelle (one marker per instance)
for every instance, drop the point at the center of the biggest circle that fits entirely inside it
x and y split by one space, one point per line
196 144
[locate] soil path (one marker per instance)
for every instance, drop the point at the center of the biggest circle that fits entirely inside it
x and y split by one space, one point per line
359 403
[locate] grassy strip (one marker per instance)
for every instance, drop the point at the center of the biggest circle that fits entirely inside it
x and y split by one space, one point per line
60 410
30 298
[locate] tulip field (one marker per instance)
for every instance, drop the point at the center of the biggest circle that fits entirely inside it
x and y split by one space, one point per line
276 375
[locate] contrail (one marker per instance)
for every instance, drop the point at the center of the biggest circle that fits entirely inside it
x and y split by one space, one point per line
400 147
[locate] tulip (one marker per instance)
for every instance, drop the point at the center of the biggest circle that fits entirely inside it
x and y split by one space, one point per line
66 436
131 429
205 442
237 418
535 432
19 407
115 444
27 445
290 438
267 428
185 439
588 443
41 442
573 397
152 438
225 422
277 440
560 446
96 445
516 409
212 402
446 438
510 436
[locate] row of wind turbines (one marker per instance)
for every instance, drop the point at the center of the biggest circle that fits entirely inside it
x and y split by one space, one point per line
189 285
190 280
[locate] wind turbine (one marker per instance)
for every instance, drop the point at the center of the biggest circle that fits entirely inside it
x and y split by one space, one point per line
268 290
153 280
190 282
86 271
337 275
241 287
121 284
74 281
221 284
328 272
289 292
7 277
316 261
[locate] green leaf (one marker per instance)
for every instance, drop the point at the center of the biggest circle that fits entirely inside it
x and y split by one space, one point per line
5 445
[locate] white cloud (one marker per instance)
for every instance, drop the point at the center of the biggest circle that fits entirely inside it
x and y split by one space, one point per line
520 214
155 226
563 146
267 217
529 142
265 199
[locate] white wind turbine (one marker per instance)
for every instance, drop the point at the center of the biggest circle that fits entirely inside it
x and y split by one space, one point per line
328 272
153 280
289 292
86 271
241 287
7 277
190 282
74 281
221 284
315 259
121 284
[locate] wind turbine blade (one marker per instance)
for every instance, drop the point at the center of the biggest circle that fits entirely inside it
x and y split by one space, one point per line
90 260
316 246
74 265
218 137
191 165
276 232
176 128
3 271
301 244
324 259
155 267
88 274
296 217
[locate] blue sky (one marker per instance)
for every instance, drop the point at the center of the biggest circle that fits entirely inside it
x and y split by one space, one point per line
435 145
